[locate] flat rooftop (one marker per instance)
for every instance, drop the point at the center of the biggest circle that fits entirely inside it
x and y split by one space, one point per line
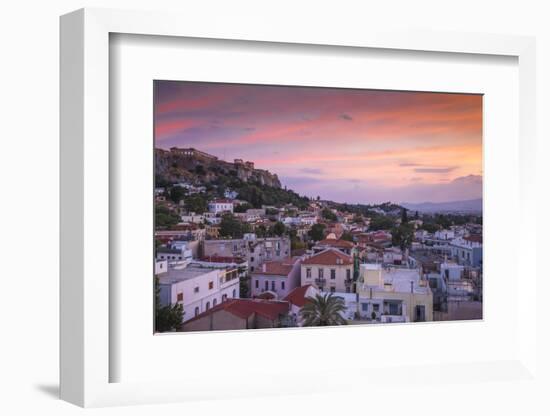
180 275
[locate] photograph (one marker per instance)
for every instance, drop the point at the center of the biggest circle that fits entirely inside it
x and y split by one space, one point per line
279 206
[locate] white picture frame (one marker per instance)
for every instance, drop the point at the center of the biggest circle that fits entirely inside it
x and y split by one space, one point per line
86 353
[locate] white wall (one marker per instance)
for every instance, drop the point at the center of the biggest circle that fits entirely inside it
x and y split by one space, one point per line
29 155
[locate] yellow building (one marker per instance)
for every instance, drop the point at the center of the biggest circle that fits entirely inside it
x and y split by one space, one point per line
393 294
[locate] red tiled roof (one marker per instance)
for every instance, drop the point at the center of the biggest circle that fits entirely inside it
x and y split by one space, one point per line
335 243
474 238
266 295
298 296
243 308
329 257
279 268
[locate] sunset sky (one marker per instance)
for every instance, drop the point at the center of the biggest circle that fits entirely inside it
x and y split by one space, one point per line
356 146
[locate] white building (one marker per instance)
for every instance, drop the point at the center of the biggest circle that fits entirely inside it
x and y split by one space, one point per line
278 278
254 250
161 266
197 288
444 234
175 253
330 271
468 250
451 271
219 206
192 218
230 194
390 294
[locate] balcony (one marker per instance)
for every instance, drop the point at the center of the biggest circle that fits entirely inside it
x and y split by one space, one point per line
320 281
228 280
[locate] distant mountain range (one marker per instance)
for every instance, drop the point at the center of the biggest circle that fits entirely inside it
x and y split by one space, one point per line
468 206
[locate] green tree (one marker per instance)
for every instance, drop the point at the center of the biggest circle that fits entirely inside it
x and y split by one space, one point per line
429 227
242 207
232 227
168 317
165 218
261 231
199 170
177 193
324 310
297 244
402 236
278 229
196 203
317 232
357 219
404 216
244 284
328 214
347 236
381 222
443 220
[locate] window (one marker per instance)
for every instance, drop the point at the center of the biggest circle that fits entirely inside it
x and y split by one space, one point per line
321 288
210 285
224 298
348 289
273 285
282 285
332 274
375 307
257 283
207 305
234 293
197 311
214 302
320 272
252 269
348 274
251 259
180 297
365 307
278 253
308 273
196 290
266 285
332 289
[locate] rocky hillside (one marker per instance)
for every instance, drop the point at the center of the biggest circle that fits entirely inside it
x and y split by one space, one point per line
194 166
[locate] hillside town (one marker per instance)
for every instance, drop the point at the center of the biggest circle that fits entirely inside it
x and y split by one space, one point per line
234 249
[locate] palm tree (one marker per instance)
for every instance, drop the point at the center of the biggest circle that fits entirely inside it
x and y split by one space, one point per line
324 310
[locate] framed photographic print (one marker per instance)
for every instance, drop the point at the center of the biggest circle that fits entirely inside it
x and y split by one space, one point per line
288 207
